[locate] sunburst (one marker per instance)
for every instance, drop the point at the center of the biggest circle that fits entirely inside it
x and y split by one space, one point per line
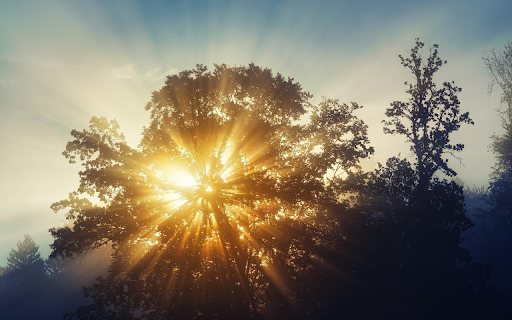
214 203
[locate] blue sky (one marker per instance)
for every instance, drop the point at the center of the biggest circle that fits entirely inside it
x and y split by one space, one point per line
62 62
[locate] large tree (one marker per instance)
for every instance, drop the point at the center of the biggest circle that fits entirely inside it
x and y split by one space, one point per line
219 212
406 225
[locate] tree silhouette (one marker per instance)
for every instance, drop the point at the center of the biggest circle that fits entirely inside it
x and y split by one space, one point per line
25 257
429 117
219 212
24 287
405 248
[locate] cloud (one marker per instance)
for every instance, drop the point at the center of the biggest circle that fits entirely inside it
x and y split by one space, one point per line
132 72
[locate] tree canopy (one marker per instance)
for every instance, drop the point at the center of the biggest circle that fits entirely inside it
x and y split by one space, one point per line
220 209
430 116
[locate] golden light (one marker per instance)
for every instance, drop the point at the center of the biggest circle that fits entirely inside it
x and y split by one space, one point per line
208 191
219 190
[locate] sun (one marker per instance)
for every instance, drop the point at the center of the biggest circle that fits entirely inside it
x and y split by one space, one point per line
197 180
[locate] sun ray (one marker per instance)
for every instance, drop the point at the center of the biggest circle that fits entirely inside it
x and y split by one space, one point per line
210 203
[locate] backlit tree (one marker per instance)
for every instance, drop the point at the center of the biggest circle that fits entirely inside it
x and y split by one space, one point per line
219 210
430 115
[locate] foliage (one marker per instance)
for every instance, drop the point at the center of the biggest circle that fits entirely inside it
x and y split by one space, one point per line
499 65
25 256
408 258
409 223
27 289
494 234
219 211
500 69
430 115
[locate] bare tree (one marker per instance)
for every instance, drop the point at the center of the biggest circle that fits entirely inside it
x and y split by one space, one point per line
499 65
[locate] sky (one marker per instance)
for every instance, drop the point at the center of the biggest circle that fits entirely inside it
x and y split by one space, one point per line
63 62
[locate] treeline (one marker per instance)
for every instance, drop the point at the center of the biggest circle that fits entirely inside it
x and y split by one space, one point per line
230 209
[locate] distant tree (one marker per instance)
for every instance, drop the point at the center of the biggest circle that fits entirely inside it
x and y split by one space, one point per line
409 223
429 117
500 69
25 257
33 288
23 282
499 65
496 220
219 213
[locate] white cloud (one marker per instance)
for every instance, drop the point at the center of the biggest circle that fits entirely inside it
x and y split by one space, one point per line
132 72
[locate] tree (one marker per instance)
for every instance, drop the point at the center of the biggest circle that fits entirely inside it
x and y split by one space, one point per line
496 219
500 69
409 223
429 117
219 211
499 65
24 285
25 257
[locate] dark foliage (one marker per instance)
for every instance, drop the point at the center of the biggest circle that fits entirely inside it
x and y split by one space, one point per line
33 288
407 260
490 239
493 241
500 68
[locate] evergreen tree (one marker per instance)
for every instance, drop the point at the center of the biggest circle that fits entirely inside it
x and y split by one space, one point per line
23 291
33 288
25 256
